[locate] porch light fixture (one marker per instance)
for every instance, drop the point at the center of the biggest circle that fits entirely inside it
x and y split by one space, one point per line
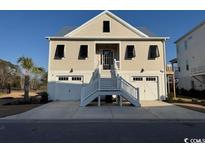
71 70
142 70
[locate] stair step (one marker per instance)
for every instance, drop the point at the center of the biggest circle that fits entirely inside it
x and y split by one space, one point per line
108 86
107 74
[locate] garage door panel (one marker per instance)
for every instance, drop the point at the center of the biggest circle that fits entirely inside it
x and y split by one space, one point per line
68 89
140 85
148 87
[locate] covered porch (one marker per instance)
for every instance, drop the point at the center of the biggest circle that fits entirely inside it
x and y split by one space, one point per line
108 53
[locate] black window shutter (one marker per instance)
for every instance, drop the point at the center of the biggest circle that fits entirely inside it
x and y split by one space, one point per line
153 52
130 51
106 26
83 52
59 53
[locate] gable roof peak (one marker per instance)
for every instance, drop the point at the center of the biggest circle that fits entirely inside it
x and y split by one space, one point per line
114 17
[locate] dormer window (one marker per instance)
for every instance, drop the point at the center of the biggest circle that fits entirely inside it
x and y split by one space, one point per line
106 26
83 52
153 52
59 53
130 52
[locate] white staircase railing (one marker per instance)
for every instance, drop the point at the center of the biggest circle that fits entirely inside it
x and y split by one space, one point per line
198 70
89 90
123 85
92 87
115 84
128 88
116 64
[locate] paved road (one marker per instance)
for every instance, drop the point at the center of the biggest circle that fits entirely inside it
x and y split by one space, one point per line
100 130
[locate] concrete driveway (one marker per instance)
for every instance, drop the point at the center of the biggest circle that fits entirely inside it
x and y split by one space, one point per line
71 110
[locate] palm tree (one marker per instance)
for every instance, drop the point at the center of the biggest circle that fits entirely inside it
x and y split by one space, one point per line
28 66
38 73
38 70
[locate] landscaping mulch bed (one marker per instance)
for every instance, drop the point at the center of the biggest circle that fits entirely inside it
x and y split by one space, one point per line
195 107
12 109
11 106
189 103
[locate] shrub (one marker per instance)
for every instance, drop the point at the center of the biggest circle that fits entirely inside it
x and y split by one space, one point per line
192 93
44 97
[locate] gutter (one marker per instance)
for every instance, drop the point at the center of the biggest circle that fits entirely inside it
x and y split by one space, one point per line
104 38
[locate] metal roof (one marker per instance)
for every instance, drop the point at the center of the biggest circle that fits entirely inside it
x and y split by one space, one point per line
146 31
192 30
173 60
65 30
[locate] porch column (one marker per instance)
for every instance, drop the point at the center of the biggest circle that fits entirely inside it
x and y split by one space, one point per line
168 85
99 103
120 101
174 86
116 99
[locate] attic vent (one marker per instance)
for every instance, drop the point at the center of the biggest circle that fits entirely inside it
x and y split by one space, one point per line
83 52
59 53
130 52
153 52
106 26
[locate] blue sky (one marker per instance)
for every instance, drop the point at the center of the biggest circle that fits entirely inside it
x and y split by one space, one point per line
24 32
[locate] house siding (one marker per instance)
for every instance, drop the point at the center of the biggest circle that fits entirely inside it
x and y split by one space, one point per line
140 61
71 52
194 55
95 28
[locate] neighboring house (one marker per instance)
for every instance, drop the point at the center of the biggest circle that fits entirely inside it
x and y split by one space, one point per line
175 70
106 56
191 59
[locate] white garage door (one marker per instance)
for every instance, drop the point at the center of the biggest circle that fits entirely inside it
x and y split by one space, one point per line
68 88
148 87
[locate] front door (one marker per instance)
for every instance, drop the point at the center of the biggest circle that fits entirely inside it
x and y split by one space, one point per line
107 59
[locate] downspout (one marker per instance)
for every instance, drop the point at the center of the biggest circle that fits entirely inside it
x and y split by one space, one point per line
49 68
165 76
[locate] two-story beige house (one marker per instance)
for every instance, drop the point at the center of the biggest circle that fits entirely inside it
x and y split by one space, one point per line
106 56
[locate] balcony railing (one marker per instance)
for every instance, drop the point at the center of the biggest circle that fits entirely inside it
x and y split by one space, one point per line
116 64
198 70
169 69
